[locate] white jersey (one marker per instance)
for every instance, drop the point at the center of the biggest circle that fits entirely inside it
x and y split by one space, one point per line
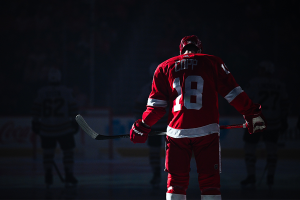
272 95
55 109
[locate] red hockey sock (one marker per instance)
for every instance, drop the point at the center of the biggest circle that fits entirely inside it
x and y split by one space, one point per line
176 190
211 191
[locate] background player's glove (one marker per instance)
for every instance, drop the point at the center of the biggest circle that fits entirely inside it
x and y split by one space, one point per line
139 132
255 122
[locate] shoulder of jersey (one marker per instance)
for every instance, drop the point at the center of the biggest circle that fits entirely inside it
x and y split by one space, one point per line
187 56
171 59
199 55
213 57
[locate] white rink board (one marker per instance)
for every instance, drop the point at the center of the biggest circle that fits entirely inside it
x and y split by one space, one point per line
229 138
89 148
233 138
15 133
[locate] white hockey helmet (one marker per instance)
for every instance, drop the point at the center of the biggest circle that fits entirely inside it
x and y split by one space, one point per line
54 75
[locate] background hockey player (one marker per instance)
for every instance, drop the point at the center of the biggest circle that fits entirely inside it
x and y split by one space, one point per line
272 95
54 112
155 142
189 84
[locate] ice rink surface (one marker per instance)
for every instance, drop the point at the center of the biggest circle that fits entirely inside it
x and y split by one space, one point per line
128 178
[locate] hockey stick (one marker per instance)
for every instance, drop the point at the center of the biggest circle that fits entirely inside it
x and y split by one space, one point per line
263 174
58 172
85 127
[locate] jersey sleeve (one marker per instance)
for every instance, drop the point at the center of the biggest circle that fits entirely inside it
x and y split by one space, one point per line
228 88
158 98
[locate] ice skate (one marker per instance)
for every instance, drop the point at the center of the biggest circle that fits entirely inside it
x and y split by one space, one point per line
155 182
249 182
270 181
48 178
70 181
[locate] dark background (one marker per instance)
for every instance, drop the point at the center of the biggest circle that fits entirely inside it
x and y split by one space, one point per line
105 48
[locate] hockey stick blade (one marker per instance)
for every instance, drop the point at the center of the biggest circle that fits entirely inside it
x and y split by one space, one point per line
86 128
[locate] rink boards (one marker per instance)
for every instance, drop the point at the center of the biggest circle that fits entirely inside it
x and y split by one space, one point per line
17 139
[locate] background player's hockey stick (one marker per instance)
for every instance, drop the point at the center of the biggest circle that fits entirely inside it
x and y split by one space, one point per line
85 127
263 174
58 172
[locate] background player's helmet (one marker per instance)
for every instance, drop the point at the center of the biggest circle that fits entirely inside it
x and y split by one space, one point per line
54 75
190 40
266 67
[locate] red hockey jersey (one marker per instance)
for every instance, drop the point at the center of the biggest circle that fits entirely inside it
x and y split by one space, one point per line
190 84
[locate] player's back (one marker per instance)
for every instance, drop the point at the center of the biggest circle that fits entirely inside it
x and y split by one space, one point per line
55 101
270 93
55 109
192 93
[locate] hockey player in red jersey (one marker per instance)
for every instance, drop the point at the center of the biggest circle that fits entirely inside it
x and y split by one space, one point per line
189 83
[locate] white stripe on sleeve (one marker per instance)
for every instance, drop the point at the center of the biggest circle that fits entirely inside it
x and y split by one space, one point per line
157 103
233 93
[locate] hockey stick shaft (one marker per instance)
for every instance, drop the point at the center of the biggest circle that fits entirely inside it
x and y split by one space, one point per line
233 126
86 128
263 174
58 172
